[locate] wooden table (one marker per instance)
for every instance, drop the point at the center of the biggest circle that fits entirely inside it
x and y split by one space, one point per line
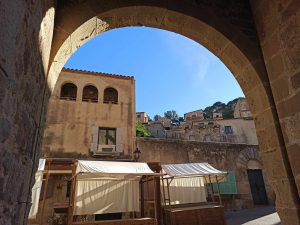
195 215
141 221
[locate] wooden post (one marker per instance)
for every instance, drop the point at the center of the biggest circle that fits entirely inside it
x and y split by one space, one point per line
158 201
72 196
154 198
163 189
220 200
212 189
142 199
45 194
168 189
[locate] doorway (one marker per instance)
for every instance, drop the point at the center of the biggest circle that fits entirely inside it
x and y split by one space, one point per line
257 186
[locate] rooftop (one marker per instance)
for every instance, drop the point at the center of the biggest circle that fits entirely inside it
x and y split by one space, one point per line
118 76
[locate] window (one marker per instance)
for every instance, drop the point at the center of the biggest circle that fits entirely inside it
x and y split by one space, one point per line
138 116
107 140
110 96
90 94
68 92
228 130
107 136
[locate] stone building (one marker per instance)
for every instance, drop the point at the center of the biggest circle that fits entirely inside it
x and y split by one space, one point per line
142 117
240 129
195 115
90 115
241 109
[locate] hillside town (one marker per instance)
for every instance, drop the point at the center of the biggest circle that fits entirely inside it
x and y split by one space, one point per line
196 126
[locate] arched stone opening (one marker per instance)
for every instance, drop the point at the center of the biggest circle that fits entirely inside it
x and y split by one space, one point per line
228 32
110 96
68 91
90 94
239 51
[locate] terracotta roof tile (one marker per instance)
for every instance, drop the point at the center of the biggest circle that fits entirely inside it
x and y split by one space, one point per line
98 73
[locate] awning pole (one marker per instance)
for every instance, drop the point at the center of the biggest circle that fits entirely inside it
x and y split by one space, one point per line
163 189
72 196
45 194
220 200
142 199
154 198
212 189
168 189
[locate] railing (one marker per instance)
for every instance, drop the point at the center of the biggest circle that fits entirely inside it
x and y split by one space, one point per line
110 102
89 100
67 98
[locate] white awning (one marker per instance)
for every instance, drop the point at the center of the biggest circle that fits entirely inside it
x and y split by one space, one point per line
192 169
36 189
112 169
108 187
42 163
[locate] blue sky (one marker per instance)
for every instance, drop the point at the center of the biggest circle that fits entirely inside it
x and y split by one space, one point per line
172 72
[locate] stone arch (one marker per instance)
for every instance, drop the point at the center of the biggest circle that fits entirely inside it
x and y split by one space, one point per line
110 95
254 165
90 93
206 22
68 91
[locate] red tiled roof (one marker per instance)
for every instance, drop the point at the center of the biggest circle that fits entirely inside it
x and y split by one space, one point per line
98 73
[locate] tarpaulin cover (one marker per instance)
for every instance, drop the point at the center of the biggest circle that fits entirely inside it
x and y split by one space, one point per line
108 187
186 190
194 169
36 189
110 168
106 196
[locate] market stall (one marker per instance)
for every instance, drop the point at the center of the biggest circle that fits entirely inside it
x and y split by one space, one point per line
189 195
108 187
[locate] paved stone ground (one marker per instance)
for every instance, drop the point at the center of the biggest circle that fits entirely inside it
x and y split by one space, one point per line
263 215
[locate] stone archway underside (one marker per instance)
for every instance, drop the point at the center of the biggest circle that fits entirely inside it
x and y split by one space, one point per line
226 28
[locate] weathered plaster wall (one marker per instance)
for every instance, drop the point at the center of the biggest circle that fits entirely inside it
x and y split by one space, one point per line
223 156
26 29
69 124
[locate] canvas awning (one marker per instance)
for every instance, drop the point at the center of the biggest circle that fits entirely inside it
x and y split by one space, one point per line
193 170
108 187
112 169
36 189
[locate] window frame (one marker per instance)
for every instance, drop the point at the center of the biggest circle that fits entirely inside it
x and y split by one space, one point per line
107 129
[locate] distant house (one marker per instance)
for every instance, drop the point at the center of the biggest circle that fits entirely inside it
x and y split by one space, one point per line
241 109
142 117
194 115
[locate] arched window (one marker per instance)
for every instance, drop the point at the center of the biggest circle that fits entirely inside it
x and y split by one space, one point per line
68 92
110 96
90 94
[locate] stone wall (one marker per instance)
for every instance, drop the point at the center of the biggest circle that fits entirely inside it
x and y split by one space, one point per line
278 29
26 29
223 156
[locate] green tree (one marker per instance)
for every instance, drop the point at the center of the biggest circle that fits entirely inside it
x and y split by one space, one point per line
171 114
156 117
142 131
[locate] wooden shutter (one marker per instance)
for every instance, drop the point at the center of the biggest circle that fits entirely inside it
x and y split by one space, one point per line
119 140
94 144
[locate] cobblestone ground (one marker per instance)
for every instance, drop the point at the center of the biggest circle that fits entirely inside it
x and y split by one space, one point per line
263 215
